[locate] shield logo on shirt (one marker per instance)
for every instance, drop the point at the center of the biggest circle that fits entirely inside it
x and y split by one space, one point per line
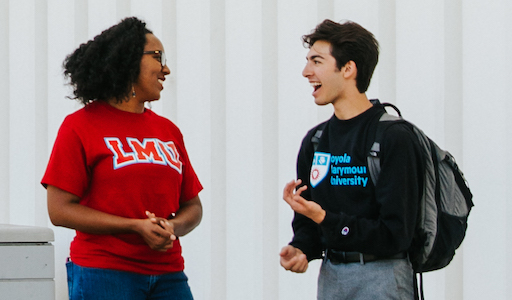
319 168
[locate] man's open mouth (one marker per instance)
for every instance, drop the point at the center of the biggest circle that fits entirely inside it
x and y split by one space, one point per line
316 85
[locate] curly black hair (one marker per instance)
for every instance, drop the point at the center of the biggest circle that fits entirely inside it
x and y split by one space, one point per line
106 67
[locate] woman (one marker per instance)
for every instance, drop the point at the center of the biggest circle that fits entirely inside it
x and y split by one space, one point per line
120 175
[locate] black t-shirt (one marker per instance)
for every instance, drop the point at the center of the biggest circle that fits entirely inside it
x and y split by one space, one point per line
360 216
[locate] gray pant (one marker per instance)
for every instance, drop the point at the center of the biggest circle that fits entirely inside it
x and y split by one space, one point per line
378 280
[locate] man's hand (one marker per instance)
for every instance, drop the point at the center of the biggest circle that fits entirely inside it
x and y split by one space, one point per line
300 205
293 259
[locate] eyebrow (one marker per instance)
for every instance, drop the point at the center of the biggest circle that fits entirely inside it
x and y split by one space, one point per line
314 57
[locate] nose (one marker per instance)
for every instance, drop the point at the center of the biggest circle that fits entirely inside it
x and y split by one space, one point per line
166 70
306 72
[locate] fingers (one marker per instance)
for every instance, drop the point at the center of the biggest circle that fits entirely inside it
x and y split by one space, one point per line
301 189
161 243
289 191
152 217
286 251
169 227
292 259
163 223
157 233
297 264
310 209
290 186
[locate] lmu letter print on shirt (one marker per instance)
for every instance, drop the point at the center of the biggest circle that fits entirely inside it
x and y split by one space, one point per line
150 150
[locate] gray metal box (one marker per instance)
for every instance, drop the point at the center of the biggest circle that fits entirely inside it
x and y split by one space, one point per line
27 268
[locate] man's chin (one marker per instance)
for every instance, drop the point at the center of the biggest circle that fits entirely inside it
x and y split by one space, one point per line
320 102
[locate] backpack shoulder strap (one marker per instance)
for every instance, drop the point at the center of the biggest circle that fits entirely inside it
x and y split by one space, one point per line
374 155
315 139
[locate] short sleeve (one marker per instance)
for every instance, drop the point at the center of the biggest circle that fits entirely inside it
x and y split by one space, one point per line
190 185
67 166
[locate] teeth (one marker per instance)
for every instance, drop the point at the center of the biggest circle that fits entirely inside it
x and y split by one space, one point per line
314 84
160 81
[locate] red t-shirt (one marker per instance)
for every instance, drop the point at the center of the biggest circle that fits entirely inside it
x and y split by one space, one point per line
123 164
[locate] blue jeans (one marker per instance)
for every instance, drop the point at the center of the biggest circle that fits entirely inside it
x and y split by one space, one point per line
102 284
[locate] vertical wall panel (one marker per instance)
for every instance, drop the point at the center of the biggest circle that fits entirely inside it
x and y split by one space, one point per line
244 164
503 80
270 144
101 15
4 113
325 10
193 118
453 122
506 142
362 12
420 63
486 140
123 8
168 37
81 20
453 70
61 42
41 107
151 13
22 111
216 219
384 77
297 114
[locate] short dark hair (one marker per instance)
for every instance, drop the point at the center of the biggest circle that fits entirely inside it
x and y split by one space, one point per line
106 67
349 42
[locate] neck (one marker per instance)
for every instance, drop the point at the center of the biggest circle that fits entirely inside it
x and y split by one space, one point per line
351 106
132 105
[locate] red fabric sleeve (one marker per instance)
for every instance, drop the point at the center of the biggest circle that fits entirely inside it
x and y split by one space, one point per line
67 167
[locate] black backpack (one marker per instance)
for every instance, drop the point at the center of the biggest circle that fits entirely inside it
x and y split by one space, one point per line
445 203
444 206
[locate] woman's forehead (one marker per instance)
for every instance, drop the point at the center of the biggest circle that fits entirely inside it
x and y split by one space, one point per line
153 43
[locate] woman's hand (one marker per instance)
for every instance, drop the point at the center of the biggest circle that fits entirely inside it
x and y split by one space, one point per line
157 233
187 217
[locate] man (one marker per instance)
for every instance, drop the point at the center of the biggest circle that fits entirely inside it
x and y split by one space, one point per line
361 229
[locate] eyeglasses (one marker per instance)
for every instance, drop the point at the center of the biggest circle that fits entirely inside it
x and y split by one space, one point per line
161 56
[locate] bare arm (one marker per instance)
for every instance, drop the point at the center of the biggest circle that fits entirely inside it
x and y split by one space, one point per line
188 216
64 210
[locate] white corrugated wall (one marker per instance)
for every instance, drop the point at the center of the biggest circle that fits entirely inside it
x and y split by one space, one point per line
237 94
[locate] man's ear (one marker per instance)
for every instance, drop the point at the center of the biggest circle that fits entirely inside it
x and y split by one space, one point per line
350 70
